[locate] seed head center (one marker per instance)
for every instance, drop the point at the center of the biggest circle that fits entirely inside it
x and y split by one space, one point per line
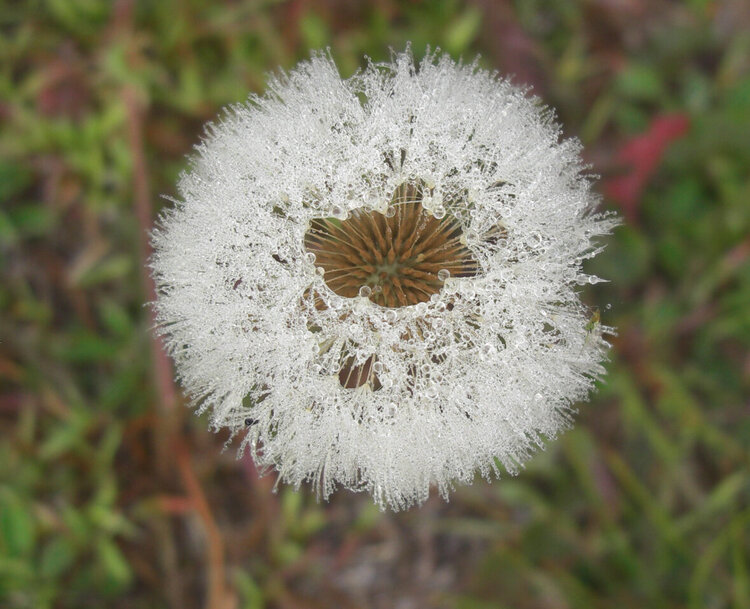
396 259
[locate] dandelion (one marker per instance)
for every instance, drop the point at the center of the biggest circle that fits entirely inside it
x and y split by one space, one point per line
375 280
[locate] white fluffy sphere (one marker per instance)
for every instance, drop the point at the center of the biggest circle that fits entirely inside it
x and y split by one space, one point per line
376 279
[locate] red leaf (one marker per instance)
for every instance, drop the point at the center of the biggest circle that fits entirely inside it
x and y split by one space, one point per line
642 155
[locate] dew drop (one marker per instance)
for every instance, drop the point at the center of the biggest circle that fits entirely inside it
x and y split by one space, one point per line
320 270
390 211
361 304
310 257
390 315
365 291
443 274
339 212
439 212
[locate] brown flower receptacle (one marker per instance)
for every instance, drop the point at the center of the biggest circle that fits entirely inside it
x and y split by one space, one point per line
395 259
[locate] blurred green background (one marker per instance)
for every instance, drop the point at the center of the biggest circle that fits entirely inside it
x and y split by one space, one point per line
112 492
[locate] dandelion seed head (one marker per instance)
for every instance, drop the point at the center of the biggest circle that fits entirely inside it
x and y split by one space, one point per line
381 274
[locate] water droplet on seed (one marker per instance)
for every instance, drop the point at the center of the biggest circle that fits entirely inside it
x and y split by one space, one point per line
365 291
339 212
439 212
443 274
390 211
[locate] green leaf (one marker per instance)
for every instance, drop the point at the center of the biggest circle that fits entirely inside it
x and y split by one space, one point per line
114 562
463 31
83 346
640 81
57 556
291 504
8 233
123 387
31 220
288 552
66 436
314 31
17 526
250 592
115 317
15 574
108 269
626 261
78 525
13 179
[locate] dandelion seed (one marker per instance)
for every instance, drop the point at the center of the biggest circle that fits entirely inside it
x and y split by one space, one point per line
394 345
